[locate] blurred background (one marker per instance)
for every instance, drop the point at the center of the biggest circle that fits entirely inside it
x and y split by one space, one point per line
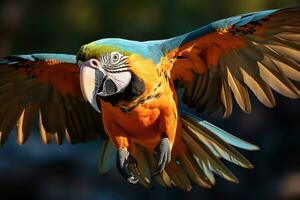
36 171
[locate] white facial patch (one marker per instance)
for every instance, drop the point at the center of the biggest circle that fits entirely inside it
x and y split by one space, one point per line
120 79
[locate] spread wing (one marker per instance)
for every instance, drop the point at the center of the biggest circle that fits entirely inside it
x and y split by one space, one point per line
257 51
44 89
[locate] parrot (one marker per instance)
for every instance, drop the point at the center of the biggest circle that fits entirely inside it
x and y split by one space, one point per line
144 99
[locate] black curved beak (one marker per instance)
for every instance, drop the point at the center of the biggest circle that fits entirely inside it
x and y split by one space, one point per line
108 89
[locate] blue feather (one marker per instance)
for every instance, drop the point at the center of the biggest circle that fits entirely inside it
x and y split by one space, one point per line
148 50
254 17
41 56
156 49
227 137
236 21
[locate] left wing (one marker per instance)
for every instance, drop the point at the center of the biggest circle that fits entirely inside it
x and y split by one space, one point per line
257 50
45 87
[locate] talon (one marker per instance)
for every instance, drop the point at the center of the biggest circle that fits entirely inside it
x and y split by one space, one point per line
133 179
124 159
162 154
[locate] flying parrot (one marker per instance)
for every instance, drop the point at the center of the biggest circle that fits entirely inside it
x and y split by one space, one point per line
144 98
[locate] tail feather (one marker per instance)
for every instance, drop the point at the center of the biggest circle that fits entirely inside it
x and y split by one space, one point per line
226 137
209 174
206 159
215 144
107 156
178 176
163 179
143 167
193 171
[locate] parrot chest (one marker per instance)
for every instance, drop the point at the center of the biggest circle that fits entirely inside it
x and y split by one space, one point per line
141 117
147 116
142 126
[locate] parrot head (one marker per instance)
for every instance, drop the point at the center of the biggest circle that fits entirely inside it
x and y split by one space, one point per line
106 70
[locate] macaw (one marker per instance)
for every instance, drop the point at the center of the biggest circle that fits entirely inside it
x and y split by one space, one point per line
126 92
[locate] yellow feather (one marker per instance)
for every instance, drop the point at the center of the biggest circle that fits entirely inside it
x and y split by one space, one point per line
278 82
219 147
143 165
226 99
260 89
192 169
207 159
178 176
46 138
163 179
240 92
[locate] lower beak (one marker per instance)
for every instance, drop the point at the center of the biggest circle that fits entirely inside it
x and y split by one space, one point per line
90 82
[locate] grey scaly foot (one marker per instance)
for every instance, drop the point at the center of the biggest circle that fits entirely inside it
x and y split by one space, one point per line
162 153
124 159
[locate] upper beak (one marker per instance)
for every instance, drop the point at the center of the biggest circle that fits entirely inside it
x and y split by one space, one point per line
91 78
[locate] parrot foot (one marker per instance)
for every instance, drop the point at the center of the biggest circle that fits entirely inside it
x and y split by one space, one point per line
162 153
124 159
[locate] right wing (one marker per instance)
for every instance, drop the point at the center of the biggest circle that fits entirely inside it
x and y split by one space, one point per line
45 87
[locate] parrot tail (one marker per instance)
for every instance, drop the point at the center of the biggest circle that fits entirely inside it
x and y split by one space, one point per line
204 145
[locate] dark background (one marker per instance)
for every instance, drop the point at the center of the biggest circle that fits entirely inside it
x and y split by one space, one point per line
49 172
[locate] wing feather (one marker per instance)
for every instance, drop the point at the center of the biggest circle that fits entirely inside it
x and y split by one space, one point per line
25 122
226 98
258 51
45 137
35 86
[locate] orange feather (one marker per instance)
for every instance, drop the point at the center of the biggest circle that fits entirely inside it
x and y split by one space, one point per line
203 53
62 76
147 121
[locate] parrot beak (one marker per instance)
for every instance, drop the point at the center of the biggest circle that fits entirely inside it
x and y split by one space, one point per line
91 79
95 81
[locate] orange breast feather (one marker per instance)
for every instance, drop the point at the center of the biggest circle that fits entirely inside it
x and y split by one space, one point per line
144 123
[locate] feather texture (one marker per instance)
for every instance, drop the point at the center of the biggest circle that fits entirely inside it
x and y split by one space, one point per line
25 122
107 156
143 167
257 50
205 149
30 86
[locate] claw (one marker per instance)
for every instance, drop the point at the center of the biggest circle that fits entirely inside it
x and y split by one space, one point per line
162 154
124 162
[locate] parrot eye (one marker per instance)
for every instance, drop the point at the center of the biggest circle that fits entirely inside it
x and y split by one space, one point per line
114 62
115 57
